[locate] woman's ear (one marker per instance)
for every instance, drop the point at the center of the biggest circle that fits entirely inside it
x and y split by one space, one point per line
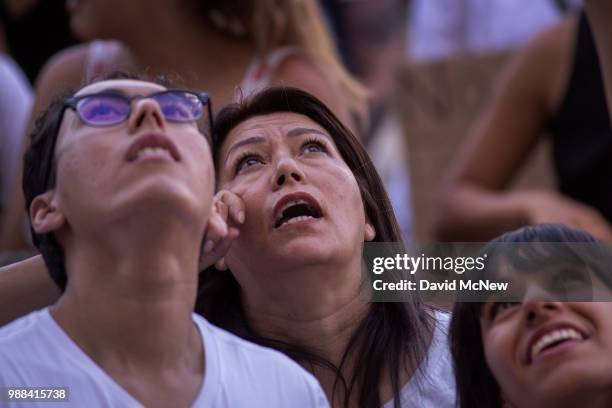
369 232
45 215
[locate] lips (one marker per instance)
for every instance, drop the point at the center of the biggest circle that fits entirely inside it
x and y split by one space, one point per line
153 145
552 336
295 207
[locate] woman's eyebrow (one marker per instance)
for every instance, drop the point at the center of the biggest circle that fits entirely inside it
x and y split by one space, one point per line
301 130
247 141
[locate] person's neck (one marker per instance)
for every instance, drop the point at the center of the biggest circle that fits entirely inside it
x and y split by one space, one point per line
130 296
319 317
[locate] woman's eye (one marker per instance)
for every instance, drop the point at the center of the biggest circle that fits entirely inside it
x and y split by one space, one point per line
499 307
247 161
313 146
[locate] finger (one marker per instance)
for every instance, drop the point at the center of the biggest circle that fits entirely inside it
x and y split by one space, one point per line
215 250
223 245
221 208
235 205
216 229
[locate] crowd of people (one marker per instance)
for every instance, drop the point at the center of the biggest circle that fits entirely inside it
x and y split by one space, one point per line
194 198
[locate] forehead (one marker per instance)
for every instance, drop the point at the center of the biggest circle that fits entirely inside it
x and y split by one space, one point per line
273 123
128 86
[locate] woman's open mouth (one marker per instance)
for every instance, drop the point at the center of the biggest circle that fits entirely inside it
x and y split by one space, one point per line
295 208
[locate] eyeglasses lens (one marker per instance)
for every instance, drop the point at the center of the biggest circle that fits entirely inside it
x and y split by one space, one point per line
103 110
179 106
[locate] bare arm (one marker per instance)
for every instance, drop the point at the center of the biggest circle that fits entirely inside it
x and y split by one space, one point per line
63 71
25 286
473 203
599 13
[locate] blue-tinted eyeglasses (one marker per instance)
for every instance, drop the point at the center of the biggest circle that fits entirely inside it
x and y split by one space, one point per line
110 108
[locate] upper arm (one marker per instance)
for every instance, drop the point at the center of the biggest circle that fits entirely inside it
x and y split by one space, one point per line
525 96
299 71
599 13
25 286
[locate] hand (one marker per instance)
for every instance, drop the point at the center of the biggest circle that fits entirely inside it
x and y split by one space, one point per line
227 213
549 207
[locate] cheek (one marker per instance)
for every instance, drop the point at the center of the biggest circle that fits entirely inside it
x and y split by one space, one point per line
342 193
78 170
81 171
207 176
500 354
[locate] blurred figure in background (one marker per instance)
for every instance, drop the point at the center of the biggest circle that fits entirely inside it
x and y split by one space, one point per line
371 35
554 84
15 103
441 28
219 46
600 17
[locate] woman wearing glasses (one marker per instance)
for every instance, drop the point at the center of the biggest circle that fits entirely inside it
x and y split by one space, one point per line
225 47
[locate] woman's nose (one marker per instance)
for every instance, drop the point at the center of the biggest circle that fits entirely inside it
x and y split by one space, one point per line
287 172
538 310
146 112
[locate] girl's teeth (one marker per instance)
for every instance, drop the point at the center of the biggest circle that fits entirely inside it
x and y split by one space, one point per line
562 334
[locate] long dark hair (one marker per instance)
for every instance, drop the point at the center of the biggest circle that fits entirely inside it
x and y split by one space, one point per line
392 334
476 385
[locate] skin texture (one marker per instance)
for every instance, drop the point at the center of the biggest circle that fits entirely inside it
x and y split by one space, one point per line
577 373
474 201
300 281
130 229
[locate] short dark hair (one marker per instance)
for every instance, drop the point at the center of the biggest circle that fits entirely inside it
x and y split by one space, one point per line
39 176
391 331
39 171
476 385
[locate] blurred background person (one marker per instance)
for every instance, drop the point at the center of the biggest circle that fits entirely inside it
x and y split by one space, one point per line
15 103
371 36
553 85
442 28
382 39
600 17
225 47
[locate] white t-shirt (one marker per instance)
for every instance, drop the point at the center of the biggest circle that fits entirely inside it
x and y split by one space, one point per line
36 352
434 384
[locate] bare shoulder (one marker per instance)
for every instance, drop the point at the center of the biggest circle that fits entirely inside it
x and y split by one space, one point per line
548 57
62 72
301 71
297 69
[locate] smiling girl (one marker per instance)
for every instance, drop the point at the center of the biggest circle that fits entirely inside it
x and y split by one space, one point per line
539 352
